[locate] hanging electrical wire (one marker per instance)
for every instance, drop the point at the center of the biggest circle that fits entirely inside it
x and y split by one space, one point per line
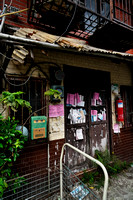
17 85
36 67
76 3
6 56
12 13
4 4
10 4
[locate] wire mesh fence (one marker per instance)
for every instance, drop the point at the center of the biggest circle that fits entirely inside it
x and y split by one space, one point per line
44 184
74 188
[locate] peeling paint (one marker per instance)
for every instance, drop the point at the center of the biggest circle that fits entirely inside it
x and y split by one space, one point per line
57 146
74 159
55 163
99 137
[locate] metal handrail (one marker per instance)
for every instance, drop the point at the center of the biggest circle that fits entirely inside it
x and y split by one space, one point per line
89 157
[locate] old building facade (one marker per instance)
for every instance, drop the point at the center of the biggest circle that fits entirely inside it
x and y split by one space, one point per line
90 78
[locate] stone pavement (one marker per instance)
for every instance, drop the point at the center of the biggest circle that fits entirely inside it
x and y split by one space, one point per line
120 187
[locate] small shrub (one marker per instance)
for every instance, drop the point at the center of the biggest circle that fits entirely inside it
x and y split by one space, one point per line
11 140
112 164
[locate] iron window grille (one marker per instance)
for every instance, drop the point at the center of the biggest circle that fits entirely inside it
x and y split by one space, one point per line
55 15
33 92
123 11
86 16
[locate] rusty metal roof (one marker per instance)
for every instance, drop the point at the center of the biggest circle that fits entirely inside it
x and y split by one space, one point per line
63 42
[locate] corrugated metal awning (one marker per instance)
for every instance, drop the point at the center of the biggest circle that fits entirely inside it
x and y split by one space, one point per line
27 36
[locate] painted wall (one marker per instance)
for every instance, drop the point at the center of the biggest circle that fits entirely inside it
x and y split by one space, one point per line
120 71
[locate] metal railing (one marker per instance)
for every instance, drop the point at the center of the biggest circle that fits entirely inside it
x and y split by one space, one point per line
90 158
54 182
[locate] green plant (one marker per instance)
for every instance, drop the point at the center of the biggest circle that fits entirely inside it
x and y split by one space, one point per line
111 163
16 182
11 140
14 100
89 178
55 93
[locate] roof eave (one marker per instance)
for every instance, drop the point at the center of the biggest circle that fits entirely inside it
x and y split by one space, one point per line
97 52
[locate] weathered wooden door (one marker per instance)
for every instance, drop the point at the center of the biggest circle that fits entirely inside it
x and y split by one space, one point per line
82 130
99 120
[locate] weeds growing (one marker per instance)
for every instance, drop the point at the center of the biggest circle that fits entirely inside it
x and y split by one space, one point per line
111 163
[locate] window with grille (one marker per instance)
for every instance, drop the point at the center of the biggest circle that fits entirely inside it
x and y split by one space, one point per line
127 96
34 93
123 11
55 15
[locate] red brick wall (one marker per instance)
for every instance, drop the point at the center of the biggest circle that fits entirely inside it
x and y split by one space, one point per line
18 21
31 159
21 21
35 158
55 151
123 144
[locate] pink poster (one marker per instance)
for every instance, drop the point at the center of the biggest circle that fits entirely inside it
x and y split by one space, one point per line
70 99
77 98
93 112
96 95
73 99
56 110
60 110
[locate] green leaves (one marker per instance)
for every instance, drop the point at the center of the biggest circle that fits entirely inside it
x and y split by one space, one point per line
3 185
111 163
1 162
13 100
55 93
11 140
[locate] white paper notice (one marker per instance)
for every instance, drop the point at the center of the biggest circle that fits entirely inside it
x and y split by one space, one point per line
79 134
116 128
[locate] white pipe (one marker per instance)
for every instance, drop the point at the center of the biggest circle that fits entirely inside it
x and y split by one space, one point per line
28 41
3 18
3 4
89 157
48 169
